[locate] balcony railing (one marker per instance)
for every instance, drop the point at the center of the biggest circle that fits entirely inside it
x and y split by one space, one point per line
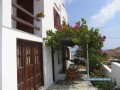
17 19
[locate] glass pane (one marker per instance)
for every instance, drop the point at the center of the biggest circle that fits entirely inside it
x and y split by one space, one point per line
28 55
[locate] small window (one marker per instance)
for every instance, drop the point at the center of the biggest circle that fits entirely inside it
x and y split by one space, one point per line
56 19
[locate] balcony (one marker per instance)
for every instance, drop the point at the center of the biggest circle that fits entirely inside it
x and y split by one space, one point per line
23 17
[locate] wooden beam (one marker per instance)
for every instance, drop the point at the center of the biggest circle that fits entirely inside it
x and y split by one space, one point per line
24 22
25 11
56 6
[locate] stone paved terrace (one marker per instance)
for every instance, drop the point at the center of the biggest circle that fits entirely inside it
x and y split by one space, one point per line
82 85
78 84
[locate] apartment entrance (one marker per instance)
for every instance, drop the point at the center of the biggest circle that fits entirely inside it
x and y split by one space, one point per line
29 65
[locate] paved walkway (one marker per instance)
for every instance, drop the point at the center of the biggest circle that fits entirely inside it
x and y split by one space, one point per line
79 84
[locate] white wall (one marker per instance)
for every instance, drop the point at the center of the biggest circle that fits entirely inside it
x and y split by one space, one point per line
6 13
58 66
9 37
47 24
63 14
9 64
38 8
48 21
62 11
116 72
48 78
107 71
0 45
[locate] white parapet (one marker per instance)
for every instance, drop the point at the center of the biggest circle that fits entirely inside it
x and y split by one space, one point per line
107 70
116 72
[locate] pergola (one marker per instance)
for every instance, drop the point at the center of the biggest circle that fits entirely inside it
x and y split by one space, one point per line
67 41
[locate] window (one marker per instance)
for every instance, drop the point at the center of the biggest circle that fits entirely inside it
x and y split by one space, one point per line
56 19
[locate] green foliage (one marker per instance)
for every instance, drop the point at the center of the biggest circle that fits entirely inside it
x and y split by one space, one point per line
79 34
105 85
97 72
76 40
80 53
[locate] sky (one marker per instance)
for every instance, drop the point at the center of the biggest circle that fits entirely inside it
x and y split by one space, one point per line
101 14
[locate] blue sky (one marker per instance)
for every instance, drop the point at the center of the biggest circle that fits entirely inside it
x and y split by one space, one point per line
102 14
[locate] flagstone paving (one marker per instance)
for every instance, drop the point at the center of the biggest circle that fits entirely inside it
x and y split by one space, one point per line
78 84
82 85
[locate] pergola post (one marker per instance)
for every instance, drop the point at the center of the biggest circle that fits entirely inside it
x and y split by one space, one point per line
87 61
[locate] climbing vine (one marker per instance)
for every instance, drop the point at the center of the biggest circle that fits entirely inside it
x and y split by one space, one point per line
79 34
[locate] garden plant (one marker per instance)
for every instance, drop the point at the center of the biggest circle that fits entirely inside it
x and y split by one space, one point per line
81 36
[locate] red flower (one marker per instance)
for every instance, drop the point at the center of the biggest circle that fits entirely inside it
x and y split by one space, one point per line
75 27
103 38
58 27
77 23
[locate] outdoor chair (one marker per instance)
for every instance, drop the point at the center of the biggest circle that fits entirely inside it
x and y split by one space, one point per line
72 75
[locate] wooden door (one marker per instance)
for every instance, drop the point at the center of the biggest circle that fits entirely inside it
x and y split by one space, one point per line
20 68
28 5
29 65
29 69
37 68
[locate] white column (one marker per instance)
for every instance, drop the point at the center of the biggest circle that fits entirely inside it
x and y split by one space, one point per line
6 13
38 8
0 45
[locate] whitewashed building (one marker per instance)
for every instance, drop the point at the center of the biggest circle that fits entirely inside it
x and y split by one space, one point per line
25 62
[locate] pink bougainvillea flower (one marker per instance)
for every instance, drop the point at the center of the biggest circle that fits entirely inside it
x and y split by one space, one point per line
77 23
75 27
103 38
